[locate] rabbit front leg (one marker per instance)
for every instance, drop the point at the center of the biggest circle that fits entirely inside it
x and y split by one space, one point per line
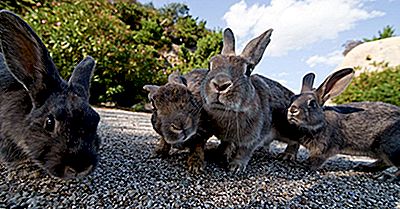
290 152
243 154
315 162
317 156
162 148
196 158
239 163
320 150
228 149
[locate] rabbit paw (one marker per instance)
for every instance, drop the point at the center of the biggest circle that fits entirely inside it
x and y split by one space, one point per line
385 176
378 165
196 163
237 166
286 156
162 149
312 165
290 153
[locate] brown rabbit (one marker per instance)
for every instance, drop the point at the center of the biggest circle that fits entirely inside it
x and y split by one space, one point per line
359 128
245 109
178 116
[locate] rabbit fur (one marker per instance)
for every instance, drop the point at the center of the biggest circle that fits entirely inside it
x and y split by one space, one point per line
358 128
178 116
43 118
245 109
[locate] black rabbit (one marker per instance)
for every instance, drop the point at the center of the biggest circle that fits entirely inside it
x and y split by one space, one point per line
43 118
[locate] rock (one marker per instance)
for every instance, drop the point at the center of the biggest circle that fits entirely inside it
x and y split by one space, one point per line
369 54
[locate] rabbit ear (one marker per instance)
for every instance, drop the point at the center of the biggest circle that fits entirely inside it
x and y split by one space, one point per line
334 84
343 109
27 58
151 89
254 50
308 82
83 73
229 43
177 78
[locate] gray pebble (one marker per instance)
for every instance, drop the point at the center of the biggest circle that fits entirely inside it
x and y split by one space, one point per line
128 178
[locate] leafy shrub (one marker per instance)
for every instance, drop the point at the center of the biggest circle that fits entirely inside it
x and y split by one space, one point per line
387 32
132 43
374 86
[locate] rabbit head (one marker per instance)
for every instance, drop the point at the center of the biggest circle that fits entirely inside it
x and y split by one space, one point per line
177 110
228 84
47 118
307 108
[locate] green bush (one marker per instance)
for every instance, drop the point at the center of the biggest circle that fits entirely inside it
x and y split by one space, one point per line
131 42
387 32
374 86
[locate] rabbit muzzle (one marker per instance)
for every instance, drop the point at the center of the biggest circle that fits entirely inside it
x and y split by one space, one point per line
219 87
221 84
179 128
75 166
70 172
183 137
292 114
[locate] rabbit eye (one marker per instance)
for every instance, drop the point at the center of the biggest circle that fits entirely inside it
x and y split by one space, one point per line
249 68
175 128
50 123
153 104
312 103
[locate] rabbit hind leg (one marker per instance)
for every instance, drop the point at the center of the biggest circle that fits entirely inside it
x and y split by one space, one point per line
378 165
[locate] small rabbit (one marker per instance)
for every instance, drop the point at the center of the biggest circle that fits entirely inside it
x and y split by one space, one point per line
360 128
42 117
243 107
178 116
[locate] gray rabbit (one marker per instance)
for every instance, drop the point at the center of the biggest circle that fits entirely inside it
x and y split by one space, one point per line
245 109
178 116
361 128
42 117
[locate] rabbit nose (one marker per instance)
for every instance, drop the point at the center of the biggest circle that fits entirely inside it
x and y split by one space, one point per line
221 86
294 110
70 172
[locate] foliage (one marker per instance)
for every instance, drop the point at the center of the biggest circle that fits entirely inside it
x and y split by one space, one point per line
382 85
374 86
387 32
133 44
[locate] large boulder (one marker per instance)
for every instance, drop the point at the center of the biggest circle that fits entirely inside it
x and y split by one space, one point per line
371 55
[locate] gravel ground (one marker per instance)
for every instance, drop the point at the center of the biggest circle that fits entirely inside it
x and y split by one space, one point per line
129 177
